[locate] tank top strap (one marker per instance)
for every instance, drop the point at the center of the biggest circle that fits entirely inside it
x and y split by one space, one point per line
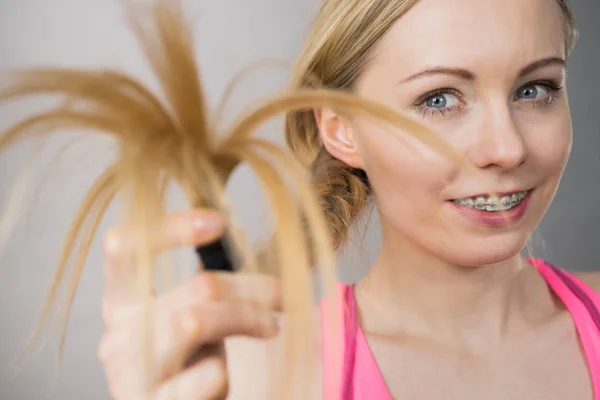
350 369
583 303
334 321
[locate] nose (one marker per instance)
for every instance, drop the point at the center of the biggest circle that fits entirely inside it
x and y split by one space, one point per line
499 142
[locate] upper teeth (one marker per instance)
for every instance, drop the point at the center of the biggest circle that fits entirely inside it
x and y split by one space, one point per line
493 203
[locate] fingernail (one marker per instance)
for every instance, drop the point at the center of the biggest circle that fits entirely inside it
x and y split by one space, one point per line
207 222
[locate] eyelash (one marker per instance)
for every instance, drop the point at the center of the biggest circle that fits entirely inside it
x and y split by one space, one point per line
424 110
554 90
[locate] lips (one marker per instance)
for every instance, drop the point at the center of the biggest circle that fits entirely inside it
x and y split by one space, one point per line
488 217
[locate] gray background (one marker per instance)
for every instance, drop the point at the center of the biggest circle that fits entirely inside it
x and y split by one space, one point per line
231 34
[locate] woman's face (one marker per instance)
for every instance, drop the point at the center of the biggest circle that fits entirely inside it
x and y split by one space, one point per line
489 77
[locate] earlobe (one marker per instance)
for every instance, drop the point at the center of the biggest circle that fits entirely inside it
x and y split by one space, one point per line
338 138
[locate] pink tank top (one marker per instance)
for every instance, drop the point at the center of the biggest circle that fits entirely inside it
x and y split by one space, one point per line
351 372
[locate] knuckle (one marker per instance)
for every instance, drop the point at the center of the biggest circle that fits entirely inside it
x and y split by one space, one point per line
111 243
206 287
187 323
272 291
258 321
105 349
246 316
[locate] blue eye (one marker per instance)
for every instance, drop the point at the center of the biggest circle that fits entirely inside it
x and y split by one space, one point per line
532 92
441 101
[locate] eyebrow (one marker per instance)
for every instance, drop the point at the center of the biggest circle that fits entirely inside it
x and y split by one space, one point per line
468 75
544 62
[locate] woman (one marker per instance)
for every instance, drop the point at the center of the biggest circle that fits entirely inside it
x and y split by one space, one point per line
449 309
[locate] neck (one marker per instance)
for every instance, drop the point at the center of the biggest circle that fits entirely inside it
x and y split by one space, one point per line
409 291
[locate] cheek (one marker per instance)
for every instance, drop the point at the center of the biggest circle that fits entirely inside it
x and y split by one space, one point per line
549 145
403 171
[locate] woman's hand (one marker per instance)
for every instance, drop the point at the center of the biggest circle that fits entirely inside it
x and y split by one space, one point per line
188 324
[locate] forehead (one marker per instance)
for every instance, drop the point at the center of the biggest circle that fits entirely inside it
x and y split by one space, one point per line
505 33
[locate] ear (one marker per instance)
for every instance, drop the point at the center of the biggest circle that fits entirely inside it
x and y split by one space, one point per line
338 137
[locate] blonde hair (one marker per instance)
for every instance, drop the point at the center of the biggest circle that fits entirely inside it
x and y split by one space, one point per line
338 49
173 141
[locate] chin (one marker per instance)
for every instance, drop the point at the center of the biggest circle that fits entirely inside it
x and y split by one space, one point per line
476 247
483 252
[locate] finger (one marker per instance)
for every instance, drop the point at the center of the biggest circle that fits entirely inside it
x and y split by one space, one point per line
176 336
197 326
190 228
205 287
259 290
206 380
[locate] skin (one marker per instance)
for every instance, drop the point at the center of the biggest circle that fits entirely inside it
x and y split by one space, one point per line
451 299
191 328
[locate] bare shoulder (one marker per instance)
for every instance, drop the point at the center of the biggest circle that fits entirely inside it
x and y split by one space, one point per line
253 363
592 279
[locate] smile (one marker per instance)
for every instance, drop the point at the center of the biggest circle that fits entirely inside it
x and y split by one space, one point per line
492 203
